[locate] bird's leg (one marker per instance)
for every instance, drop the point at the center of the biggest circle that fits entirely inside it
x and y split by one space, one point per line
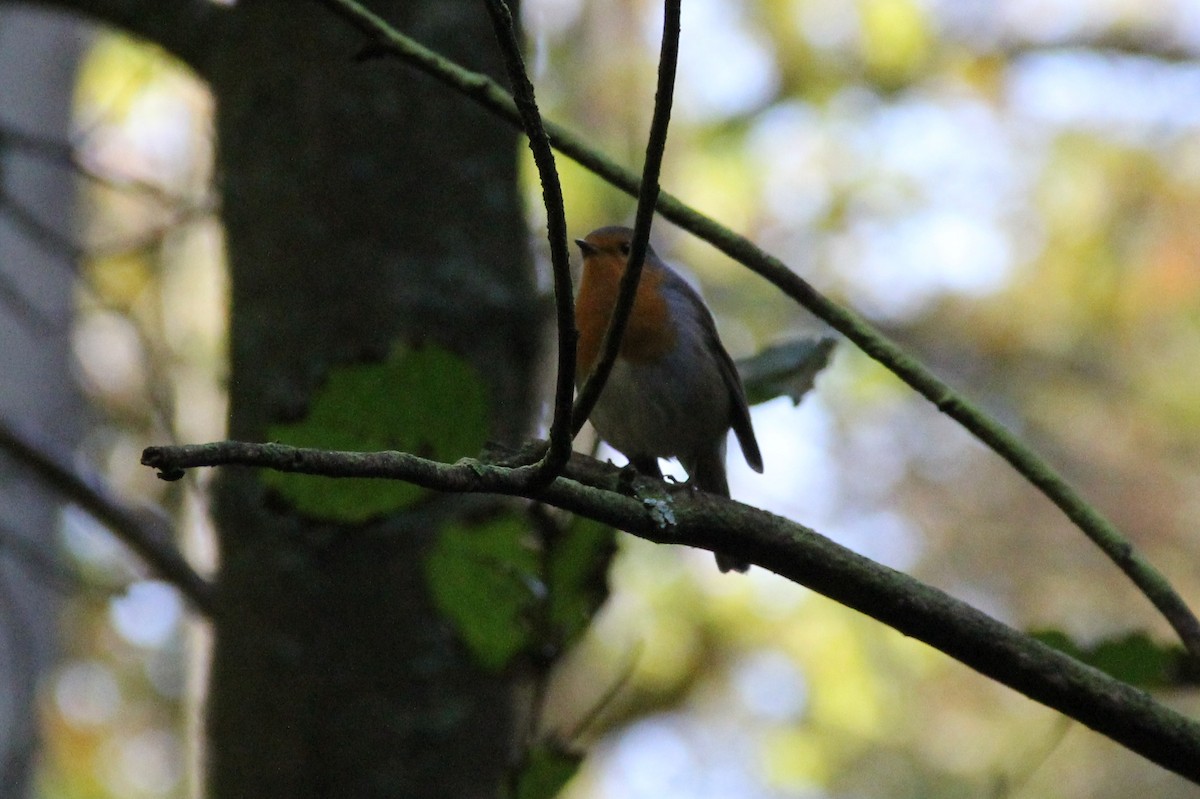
647 466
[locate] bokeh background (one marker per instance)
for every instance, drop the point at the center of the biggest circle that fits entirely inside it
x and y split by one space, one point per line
1011 189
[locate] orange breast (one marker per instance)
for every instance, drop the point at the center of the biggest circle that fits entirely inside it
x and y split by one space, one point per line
650 333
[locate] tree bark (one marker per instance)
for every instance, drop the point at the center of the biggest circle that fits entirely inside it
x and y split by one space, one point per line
39 54
363 205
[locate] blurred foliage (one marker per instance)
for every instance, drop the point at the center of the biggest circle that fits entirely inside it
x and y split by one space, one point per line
482 579
576 558
1010 189
785 370
150 344
1011 199
1133 658
509 595
544 773
371 407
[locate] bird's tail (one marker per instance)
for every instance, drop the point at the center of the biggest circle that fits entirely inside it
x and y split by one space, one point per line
708 473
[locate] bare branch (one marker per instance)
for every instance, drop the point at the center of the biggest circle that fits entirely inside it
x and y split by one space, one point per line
50 570
66 155
61 154
1138 44
556 230
668 514
145 532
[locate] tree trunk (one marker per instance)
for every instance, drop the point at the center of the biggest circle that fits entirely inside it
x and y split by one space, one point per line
39 54
364 205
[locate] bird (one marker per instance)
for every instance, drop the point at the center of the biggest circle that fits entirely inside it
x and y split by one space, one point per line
673 390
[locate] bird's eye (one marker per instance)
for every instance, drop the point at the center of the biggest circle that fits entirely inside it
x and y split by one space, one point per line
624 248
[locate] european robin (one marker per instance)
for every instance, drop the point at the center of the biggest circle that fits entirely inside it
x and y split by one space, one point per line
673 391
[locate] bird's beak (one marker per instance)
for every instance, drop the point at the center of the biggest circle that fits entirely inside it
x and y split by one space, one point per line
586 247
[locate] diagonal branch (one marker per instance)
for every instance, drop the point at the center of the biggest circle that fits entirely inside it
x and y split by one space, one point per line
647 199
1102 532
145 532
677 515
33 558
65 155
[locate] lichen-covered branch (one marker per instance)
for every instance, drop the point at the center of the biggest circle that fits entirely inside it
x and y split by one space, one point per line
669 514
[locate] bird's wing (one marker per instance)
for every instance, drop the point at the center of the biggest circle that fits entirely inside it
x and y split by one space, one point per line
739 408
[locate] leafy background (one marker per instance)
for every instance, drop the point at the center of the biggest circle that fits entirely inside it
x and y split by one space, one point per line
1011 189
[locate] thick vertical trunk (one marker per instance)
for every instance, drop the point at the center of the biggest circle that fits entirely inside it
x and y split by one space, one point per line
38 57
364 205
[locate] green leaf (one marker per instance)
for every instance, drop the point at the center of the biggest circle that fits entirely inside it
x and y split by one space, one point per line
1132 658
483 579
785 370
490 583
423 400
546 771
578 578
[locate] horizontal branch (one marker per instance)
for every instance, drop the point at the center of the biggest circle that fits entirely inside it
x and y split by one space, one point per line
1144 44
669 514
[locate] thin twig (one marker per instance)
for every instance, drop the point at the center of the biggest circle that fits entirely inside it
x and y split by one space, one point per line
679 515
50 571
556 230
66 155
1102 532
40 232
581 726
24 309
647 199
146 533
